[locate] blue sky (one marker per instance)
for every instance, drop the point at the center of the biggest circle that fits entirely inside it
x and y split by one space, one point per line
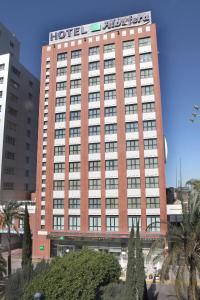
179 57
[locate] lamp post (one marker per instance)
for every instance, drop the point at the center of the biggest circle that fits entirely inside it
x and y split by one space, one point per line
195 114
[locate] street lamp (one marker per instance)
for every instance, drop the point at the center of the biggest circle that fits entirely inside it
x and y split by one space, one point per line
195 114
38 296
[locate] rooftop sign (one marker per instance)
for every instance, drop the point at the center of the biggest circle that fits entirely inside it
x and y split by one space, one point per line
99 28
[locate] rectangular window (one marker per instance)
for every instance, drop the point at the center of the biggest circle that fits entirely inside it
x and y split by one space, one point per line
94 203
130 92
150 144
109 95
2 67
13 112
109 48
9 155
94 81
94 148
59 150
94 223
94 184
132 127
111 183
75 132
145 57
10 140
74 184
58 203
128 76
75 115
131 109
110 111
8 186
134 202
145 42
1 80
132 145
61 71
59 167
61 86
60 117
94 65
74 149
1 94
153 202
111 165
109 63
134 221
61 56
146 73
149 125
61 101
153 223
151 162
152 182
58 185
112 223
74 203
133 183
129 60
110 128
59 133
76 99
148 107
74 223
147 90
110 78
58 222
128 44
75 69
93 97
93 113
94 50
133 163
76 54
74 84
94 165
74 166
111 147
94 130
111 203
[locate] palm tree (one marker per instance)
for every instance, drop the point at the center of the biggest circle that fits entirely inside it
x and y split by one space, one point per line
182 257
9 212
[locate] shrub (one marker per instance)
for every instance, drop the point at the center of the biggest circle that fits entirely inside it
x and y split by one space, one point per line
113 291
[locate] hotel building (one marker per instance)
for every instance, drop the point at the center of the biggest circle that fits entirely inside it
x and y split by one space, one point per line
101 158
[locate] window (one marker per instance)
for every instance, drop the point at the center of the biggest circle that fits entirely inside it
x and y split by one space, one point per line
15 71
111 183
129 76
133 163
111 203
74 84
76 99
109 48
74 132
74 184
112 223
151 162
94 113
149 125
130 92
128 44
150 144
94 148
134 221
94 203
147 90
74 149
10 140
59 133
74 223
132 127
94 165
111 165
144 42
59 150
131 109
61 101
153 223
109 63
9 155
152 182
8 186
74 166
110 128
2 67
133 183
93 97
59 167
94 50
61 56
61 86
74 203
94 81
94 184
75 115
9 171
111 147
109 95
148 107
76 54
146 73
153 202
60 117
75 69
110 111
110 78
94 130
95 65
132 145
58 203
129 60
1 80
58 222
145 57
94 223
58 185
1 94
13 112
134 202
61 71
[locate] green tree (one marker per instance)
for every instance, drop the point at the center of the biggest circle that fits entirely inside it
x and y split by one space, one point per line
77 275
194 183
27 241
2 266
9 213
140 280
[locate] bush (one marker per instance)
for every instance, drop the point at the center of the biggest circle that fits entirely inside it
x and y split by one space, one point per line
113 291
77 275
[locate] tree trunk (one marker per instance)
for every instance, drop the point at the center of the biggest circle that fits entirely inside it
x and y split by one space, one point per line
192 289
9 251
